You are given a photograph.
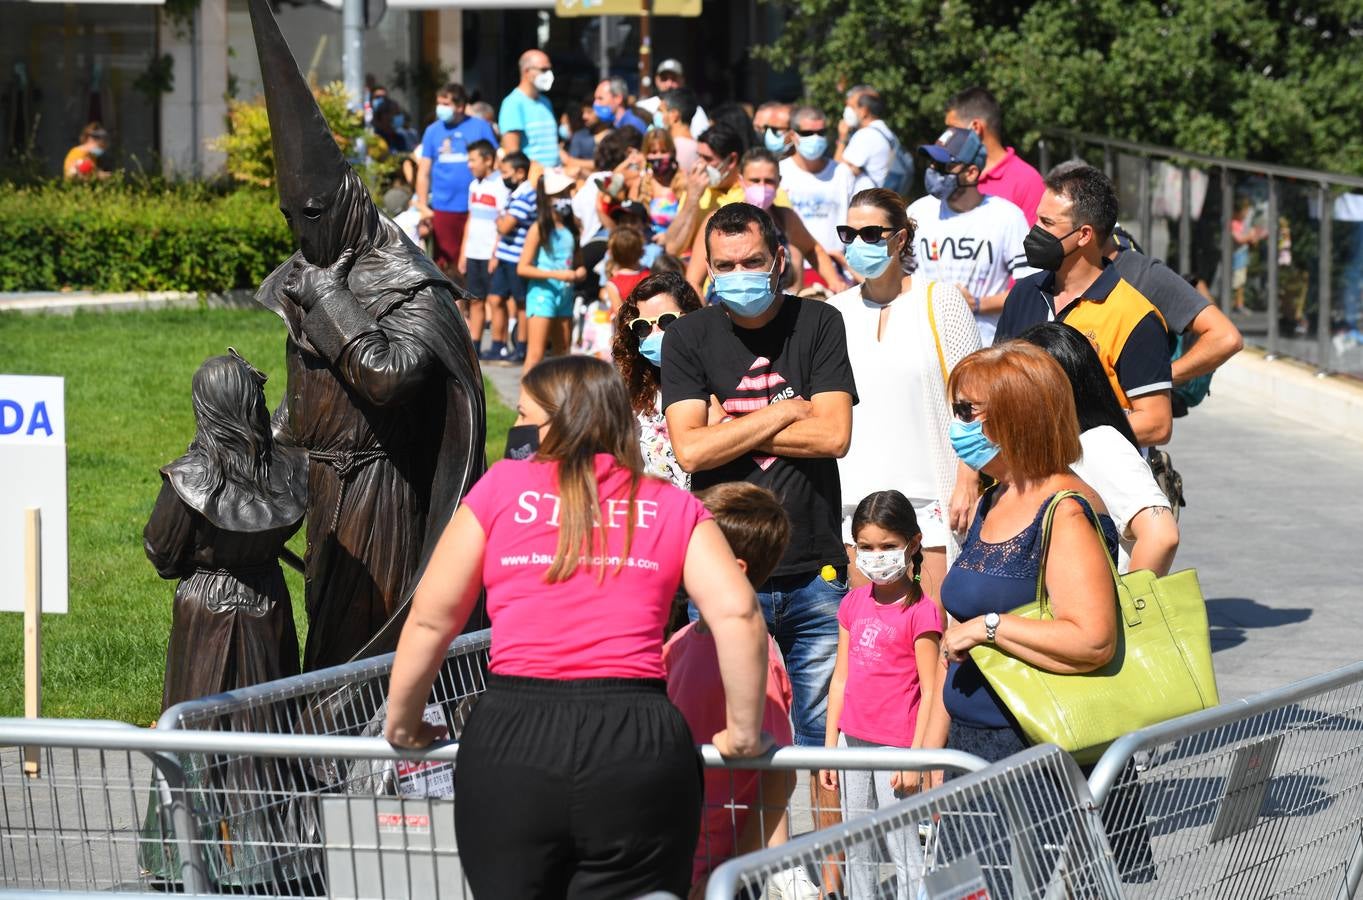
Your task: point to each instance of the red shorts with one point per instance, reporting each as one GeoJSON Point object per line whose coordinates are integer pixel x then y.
{"type": "Point", "coordinates": [448, 230]}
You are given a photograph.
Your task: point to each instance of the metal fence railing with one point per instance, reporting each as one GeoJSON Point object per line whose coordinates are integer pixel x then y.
{"type": "Point", "coordinates": [1022, 828]}
{"type": "Point", "coordinates": [116, 809]}
{"type": "Point", "coordinates": [1262, 797]}
{"type": "Point", "coordinates": [1297, 281]}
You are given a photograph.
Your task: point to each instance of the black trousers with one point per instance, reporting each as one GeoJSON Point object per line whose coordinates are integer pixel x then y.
{"type": "Point", "coordinates": [576, 789]}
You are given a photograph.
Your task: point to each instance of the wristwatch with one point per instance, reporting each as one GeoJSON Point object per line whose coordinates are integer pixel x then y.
{"type": "Point", "coordinates": [991, 626]}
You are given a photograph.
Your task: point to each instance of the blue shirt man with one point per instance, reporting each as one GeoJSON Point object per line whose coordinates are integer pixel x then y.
{"type": "Point", "coordinates": [445, 144]}
{"type": "Point", "coordinates": [609, 104]}
{"type": "Point", "coordinates": [526, 118]}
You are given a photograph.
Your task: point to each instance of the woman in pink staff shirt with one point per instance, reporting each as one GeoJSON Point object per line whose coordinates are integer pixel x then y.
{"type": "Point", "coordinates": [577, 777]}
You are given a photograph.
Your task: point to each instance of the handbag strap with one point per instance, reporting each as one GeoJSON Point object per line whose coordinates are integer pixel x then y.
{"type": "Point", "coordinates": [1043, 598]}
{"type": "Point", "coordinates": [936, 337]}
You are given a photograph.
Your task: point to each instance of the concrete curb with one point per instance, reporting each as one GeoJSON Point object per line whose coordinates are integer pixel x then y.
{"type": "Point", "coordinates": [66, 303]}
{"type": "Point", "coordinates": [1292, 390]}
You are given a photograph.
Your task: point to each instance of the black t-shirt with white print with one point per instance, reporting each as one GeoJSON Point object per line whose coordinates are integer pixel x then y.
{"type": "Point", "coordinates": [800, 353]}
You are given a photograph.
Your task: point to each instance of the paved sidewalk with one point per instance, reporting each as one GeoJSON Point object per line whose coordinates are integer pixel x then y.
{"type": "Point", "coordinates": [1271, 526]}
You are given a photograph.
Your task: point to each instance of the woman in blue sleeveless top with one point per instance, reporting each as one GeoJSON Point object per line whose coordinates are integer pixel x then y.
{"type": "Point", "coordinates": [1014, 420]}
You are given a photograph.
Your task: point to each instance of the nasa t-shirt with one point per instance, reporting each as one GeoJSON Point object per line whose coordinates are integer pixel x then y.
{"type": "Point", "coordinates": [980, 249]}
{"type": "Point", "coordinates": [800, 353]}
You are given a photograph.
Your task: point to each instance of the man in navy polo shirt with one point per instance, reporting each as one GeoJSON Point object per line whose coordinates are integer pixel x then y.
{"type": "Point", "coordinates": [1078, 286]}
{"type": "Point", "coordinates": [443, 176]}
{"type": "Point", "coordinates": [609, 105]}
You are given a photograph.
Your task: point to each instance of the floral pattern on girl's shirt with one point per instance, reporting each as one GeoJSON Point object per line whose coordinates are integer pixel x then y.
{"type": "Point", "coordinates": [659, 459]}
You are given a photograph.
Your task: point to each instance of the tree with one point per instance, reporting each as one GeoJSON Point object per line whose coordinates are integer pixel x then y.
{"type": "Point", "coordinates": [1253, 79]}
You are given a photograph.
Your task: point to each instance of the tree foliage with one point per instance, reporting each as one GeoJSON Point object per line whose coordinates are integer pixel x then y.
{"type": "Point", "coordinates": [1253, 79]}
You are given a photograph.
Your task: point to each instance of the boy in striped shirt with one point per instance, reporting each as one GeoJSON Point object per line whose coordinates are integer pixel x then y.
{"type": "Point", "coordinates": [506, 297]}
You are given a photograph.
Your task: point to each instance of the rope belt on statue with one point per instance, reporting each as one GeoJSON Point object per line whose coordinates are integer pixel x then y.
{"type": "Point", "coordinates": [239, 571]}
{"type": "Point", "coordinates": [346, 463]}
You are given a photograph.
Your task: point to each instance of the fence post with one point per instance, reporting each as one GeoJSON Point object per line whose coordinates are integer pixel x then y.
{"type": "Point", "coordinates": [1109, 163]}
{"type": "Point", "coordinates": [1044, 155]}
{"type": "Point", "coordinates": [1227, 210]}
{"type": "Point", "coordinates": [174, 797]}
{"type": "Point", "coordinates": [1274, 236]}
{"type": "Point", "coordinates": [1143, 210]}
{"type": "Point", "coordinates": [1324, 291]}
{"type": "Point", "coordinates": [1185, 222]}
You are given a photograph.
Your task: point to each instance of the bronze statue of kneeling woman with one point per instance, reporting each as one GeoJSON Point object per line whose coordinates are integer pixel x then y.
{"type": "Point", "coordinates": [225, 510]}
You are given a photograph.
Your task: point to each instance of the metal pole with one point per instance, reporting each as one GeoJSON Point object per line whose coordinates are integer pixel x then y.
{"type": "Point", "coordinates": [352, 51]}
{"type": "Point", "coordinates": [1043, 148]}
{"type": "Point", "coordinates": [1326, 251]}
{"type": "Point", "coordinates": [1143, 214]}
{"type": "Point", "coordinates": [1185, 222]}
{"type": "Point", "coordinates": [1227, 201]}
{"type": "Point", "coordinates": [1274, 236]}
{"type": "Point", "coordinates": [1109, 163]}
{"type": "Point", "coordinates": [603, 59]}
{"type": "Point", "coordinates": [646, 49]}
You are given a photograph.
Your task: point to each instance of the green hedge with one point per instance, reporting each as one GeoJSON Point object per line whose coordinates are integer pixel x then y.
{"type": "Point", "coordinates": [125, 236]}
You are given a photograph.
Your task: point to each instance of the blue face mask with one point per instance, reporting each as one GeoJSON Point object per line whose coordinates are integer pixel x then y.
{"type": "Point", "coordinates": [399, 121]}
{"type": "Point", "coordinates": [970, 444]}
{"type": "Point", "coordinates": [444, 113]}
{"type": "Point", "coordinates": [747, 294]}
{"type": "Point", "coordinates": [659, 121]}
{"type": "Point", "coordinates": [604, 112]}
{"type": "Point", "coordinates": [564, 132]}
{"type": "Point", "coordinates": [773, 140]}
{"type": "Point", "coordinates": [868, 260]}
{"type": "Point", "coordinates": [939, 185]}
{"type": "Point", "coordinates": [651, 348]}
{"type": "Point", "coordinates": [812, 146]}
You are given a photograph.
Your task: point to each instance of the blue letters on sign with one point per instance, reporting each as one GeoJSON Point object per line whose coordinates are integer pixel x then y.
{"type": "Point", "coordinates": [12, 418]}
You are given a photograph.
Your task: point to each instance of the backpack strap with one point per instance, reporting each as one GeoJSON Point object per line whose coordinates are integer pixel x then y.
{"type": "Point", "coordinates": [936, 336]}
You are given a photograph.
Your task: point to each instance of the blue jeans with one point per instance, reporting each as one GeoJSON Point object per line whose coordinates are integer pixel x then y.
{"type": "Point", "coordinates": [802, 616]}
{"type": "Point", "coordinates": [1351, 277]}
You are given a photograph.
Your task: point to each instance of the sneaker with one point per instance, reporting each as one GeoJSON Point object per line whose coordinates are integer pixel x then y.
{"type": "Point", "coordinates": [493, 353]}
{"type": "Point", "coordinates": [792, 884]}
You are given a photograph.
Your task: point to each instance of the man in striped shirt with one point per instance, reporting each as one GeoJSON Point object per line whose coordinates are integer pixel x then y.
{"type": "Point", "coordinates": [506, 297]}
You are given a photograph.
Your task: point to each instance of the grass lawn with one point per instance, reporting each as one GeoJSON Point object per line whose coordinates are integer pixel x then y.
{"type": "Point", "coordinates": [128, 413]}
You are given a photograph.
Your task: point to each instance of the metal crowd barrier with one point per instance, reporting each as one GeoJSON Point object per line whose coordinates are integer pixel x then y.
{"type": "Point", "coordinates": [1022, 828]}
{"type": "Point", "coordinates": [1289, 202]}
{"type": "Point", "coordinates": [1262, 797]}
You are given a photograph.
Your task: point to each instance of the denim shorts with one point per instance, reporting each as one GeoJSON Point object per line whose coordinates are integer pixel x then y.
{"type": "Point", "coordinates": [478, 280]}
{"type": "Point", "coordinates": [506, 283]}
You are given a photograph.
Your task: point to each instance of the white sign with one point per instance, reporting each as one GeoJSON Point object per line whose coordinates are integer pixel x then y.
{"type": "Point", "coordinates": [32, 473]}
{"type": "Point", "coordinates": [426, 779]}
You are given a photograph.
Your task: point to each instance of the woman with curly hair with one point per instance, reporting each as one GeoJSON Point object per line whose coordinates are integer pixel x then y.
{"type": "Point", "coordinates": [653, 305]}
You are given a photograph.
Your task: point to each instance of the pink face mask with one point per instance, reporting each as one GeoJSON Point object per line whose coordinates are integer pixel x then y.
{"type": "Point", "coordinates": [760, 195]}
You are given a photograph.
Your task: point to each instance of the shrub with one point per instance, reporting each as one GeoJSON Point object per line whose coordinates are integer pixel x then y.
{"type": "Point", "coordinates": [120, 235]}
{"type": "Point", "coordinates": [250, 158]}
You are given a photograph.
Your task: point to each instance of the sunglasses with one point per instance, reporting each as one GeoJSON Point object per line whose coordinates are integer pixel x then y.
{"type": "Point", "coordinates": [642, 327]}
{"type": "Point", "coordinates": [810, 132]}
{"type": "Point", "coordinates": [964, 410]}
{"type": "Point", "coordinates": [871, 234]}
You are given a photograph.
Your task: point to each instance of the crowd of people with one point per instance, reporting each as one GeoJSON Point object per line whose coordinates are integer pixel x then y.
{"type": "Point", "coordinates": [787, 447]}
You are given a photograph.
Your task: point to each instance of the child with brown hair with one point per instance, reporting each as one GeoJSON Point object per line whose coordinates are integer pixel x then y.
{"type": "Point", "coordinates": [744, 810]}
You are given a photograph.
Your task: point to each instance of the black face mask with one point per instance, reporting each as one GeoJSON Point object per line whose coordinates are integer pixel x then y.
{"type": "Point", "coordinates": [511, 183]}
{"type": "Point", "coordinates": [522, 441]}
{"type": "Point", "coordinates": [1044, 250]}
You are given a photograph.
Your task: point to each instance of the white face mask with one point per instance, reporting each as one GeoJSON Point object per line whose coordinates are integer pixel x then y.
{"type": "Point", "coordinates": [715, 176]}
{"type": "Point", "coordinates": [882, 567]}
{"type": "Point", "coordinates": [544, 81]}
{"type": "Point", "coordinates": [849, 115]}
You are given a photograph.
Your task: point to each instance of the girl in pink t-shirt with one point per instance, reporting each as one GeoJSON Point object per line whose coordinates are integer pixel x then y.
{"type": "Point", "coordinates": [577, 776]}
{"type": "Point", "coordinates": [889, 635]}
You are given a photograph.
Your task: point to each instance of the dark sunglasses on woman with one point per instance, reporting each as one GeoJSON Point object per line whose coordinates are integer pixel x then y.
{"type": "Point", "coordinates": [871, 234]}
{"type": "Point", "coordinates": [643, 327]}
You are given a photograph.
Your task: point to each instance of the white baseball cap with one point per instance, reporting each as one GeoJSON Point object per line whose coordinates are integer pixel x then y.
{"type": "Point", "coordinates": [556, 182]}
{"type": "Point", "coordinates": [671, 65]}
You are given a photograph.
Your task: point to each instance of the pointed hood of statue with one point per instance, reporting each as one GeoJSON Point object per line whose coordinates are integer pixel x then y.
{"type": "Point", "coordinates": [309, 167]}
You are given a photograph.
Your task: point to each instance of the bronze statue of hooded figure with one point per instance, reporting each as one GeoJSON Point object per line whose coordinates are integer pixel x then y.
{"type": "Point", "coordinates": [384, 390]}
{"type": "Point", "coordinates": [224, 512]}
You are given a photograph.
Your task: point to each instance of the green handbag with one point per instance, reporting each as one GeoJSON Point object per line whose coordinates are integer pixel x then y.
{"type": "Point", "coordinates": [1162, 667]}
